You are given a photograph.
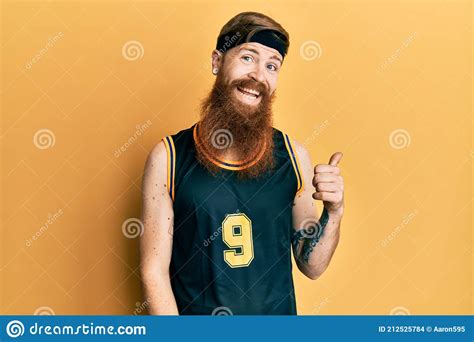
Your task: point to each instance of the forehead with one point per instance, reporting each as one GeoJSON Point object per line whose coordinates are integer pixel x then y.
{"type": "Point", "coordinates": [260, 49]}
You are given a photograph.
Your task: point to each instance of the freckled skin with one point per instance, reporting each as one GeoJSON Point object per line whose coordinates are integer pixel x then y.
{"type": "Point", "coordinates": [155, 244]}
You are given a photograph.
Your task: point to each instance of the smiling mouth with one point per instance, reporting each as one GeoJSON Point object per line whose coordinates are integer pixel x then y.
{"type": "Point", "coordinates": [249, 93]}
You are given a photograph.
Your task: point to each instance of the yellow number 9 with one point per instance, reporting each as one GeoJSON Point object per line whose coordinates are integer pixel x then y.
{"type": "Point", "coordinates": [237, 234]}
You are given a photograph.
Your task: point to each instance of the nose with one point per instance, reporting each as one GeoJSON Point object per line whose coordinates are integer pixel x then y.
{"type": "Point", "coordinates": [258, 74]}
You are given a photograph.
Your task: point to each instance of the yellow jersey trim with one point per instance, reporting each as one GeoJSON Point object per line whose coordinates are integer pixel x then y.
{"type": "Point", "coordinates": [295, 161]}
{"type": "Point", "coordinates": [171, 164]}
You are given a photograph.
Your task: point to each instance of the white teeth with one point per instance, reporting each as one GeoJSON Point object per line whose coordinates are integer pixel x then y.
{"type": "Point", "coordinates": [251, 91]}
{"type": "Point", "coordinates": [256, 93]}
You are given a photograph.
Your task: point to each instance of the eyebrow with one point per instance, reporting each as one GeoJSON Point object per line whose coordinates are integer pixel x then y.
{"type": "Point", "coordinates": [256, 52]}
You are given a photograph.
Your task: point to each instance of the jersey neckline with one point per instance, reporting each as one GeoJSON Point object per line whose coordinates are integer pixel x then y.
{"type": "Point", "coordinates": [227, 164]}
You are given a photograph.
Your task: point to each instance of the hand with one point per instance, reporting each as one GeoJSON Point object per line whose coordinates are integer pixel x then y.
{"type": "Point", "coordinates": [329, 185]}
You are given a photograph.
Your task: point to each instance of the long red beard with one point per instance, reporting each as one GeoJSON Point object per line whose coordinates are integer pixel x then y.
{"type": "Point", "coordinates": [227, 123]}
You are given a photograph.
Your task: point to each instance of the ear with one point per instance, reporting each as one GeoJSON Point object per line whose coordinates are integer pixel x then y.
{"type": "Point", "coordinates": [216, 60]}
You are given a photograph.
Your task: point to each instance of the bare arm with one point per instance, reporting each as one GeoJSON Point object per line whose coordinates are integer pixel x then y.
{"type": "Point", "coordinates": [313, 253]}
{"type": "Point", "coordinates": [157, 240]}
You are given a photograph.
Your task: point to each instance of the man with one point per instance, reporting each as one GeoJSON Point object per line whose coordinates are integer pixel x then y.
{"type": "Point", "coordinates": [224, 200]}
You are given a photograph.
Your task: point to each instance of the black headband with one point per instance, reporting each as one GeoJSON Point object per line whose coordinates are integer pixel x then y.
{"type": "Point", "coordinates": [260, 34]}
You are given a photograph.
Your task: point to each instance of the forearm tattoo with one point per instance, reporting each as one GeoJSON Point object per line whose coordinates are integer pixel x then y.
{"type": "Point", "coordinates": [310, 233]}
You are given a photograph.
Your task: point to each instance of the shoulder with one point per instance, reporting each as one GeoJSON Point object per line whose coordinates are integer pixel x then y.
{"type": "Point", "coordinates": [157, 156]}
{"type": "Point", "coordinates": [299, 150]}
{"type": "Point", "coordinates": [303, 159]}
{"type": "Point", "coordinates": [302, 152]}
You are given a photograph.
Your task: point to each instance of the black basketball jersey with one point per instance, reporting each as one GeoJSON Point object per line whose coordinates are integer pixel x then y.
{"type": "Point", "coordinates": [232, 237]}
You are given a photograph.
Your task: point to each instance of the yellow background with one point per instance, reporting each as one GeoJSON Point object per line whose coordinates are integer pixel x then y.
{"type": "Point", "coordinates": [406, 243]}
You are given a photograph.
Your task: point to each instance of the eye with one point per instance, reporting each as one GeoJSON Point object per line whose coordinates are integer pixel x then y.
{"type": "Point", "coordinates": [247, 58]}
{"type": "Point", "coordinates": [272, 67]}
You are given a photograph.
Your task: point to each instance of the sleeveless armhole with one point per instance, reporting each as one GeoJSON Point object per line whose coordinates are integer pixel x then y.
{"type": "Point", "coordinates": [294, 160]}
{"type": "Point", "coordinates": [171, 164]}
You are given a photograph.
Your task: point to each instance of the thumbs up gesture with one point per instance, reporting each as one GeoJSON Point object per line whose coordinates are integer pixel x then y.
{"type": "Point", "coordinates": [329, 185]}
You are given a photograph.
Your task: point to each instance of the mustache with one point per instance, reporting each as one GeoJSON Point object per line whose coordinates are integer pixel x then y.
{"type": "Point", "coordinates": [250, 83]}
